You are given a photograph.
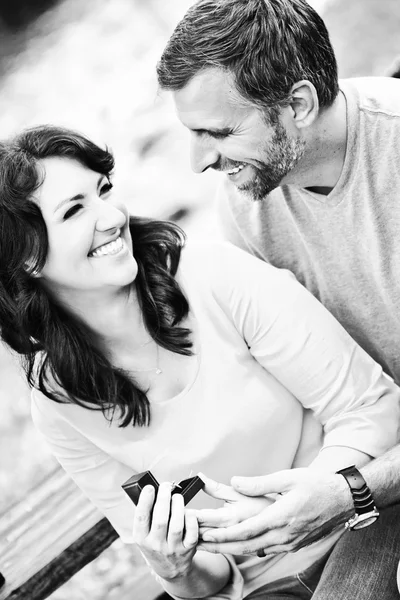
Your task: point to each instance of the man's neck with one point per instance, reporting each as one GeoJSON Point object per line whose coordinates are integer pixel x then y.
{"type": "Point", "coordinates": [320, 169]}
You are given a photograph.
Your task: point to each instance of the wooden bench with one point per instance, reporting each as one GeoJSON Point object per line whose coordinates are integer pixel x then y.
{"type": "Point", "coordinates": [49, 536]}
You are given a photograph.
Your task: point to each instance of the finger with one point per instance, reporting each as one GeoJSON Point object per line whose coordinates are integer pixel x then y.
{"type": "Point", "coordinates": [234, 548]}
{"type": "Point", "coordinates": [191, 536]}
{"type": "Point", "coordinates": [213, 517]}
{"type": "Point", "coordinates": [202, 530]}
{"type": "Point", "coordinates": [161, 512]}
{"type": "Point", "coordinates": [143, 513]}
{"type": "Point", "coordinates": [271, 518]}
{"type": "Point", "coordinates": [176, 521]}
{"type": "Point", "coordinates": [277, 483]}
{"type": "Point", "coordinates": [247, 547]}
{"type": "Point", "coordinates": [218, 490]}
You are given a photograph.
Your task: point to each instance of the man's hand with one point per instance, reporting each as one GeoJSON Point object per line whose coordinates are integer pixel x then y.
{"type": "Point", "coordinates": [237, 507]}
{"type": "Point", "coordinates": [312, 503]}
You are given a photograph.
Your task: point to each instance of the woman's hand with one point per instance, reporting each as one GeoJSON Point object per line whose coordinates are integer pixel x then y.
{"type": "Point", "coordinates": [166, 532]}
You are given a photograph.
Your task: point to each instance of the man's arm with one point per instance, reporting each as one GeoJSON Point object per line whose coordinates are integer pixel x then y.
{"type": "Point", "coordinates": [383, 477]}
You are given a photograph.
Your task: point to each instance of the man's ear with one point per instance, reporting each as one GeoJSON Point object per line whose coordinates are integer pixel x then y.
{"type": "Point", "coordinates": [304, 104]}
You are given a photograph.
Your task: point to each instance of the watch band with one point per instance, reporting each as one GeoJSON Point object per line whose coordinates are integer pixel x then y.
{"type": "Point", "coordinates": [362, 497]}
{"type": "Point", "coordinates": [365, 509]}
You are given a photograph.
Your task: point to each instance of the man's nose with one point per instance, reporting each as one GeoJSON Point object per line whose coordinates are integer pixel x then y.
{"type": "Point", "coordinates": [203, 153]}
{"type": "Point", "coordinates": [109, 217]}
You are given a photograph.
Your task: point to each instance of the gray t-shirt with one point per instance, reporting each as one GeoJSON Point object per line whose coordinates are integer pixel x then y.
{"type": "Point", "coordinates": [344, 247]}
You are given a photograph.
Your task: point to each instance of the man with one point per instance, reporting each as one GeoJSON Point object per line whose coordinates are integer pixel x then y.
{"type": "Point", "coordinates": [312, 184]}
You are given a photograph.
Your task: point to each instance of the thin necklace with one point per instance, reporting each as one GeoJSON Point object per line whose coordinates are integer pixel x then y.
{"type": "Point", "coordinates": [157, 369]}
{"type": "Point", "coordinates": [143, 345]}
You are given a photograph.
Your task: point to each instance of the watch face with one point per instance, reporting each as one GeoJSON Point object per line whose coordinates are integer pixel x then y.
{"type": "Point", "coordinates": [365, 522]}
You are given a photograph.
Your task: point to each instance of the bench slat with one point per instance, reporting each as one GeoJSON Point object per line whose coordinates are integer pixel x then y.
{"type": "Point", "coordinates": [51, 535]}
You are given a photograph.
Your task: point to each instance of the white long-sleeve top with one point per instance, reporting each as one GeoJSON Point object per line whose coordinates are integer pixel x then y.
{"type": "Point", "coordinates": [277, 379]}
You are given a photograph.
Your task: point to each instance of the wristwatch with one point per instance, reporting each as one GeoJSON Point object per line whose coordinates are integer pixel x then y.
{"type": "Point", "coordinates": [366, 511]}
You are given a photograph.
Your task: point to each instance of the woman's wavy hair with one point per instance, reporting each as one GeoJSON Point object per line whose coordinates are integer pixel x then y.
{"type": "Point", "coordinates": [267, 45]}
{"type": "Point", "coordinates": [62, 356]}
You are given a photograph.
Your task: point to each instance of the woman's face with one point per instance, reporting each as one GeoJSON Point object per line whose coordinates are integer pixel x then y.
{"type": "Point", "coordinates": [90, 247]}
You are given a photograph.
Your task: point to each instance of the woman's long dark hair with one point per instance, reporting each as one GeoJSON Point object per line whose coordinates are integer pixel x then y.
{"type": "Point", "coordinates": [62, 356]}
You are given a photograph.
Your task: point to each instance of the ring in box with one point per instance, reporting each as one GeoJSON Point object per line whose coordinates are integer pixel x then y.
{"type": "Point", "coordinates": [187, 487]}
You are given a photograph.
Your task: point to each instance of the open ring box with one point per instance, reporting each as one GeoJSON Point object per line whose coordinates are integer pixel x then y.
{"type": "Point", "coordinates": [187, 487]}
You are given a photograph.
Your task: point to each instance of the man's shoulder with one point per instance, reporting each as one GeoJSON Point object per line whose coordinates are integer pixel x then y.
{"type": "Point", "coordinates": [379, 95]}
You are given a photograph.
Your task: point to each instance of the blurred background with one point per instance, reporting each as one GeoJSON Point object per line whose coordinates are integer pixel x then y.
{"type": "Point", "coordinates": [91, 66]}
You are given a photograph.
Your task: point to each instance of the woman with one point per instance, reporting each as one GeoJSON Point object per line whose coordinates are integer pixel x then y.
{"type": "Point", "coordinates": [144, 355]}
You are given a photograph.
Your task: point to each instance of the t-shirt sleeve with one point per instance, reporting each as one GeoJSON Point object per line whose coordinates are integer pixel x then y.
{"type": "Point", "coordinates": [98, 475]}
{"type": "Point", "coordinates": [292, 335]}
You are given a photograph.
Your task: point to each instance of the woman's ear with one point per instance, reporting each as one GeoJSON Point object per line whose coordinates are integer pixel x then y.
{"type": "Point", "coordinates": [304, 104]}
{"type": "Point", "coordinates": [30, 270]}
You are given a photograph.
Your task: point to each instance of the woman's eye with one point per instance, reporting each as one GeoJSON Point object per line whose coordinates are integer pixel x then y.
{"type": "Point", "coordinates": [72, 211]}
{"type": "Point", "coordinates": [105, 188]}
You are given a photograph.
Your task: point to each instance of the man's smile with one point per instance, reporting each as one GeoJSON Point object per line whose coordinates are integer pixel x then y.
{"type": "Point", "coordinates": [235, 170]}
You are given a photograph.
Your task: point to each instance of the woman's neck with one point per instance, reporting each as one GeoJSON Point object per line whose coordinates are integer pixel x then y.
{"type": "Point", "coordinates": [116, 318]}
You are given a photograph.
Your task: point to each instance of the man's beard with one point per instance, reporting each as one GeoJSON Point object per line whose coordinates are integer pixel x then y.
{"type": "Point", "coordinates": [281, 156]}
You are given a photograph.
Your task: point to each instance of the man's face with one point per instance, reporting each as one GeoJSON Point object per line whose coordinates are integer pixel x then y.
{"type": "Point", "coordinates": [230, 135]}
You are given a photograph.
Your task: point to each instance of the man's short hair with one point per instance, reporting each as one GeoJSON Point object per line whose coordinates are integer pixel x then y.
{"type": "Point", "coordinates": [267, 45]}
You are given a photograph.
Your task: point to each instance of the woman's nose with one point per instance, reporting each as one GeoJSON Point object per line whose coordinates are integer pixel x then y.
{"type": "Point", "coordinates": [110, 216]}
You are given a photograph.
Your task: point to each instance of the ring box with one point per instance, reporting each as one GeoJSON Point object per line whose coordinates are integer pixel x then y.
{"type": "Point", "coordinates": [187, 487]}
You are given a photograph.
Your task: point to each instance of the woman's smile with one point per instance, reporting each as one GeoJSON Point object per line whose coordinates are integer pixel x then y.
{"type": "Point", "coordinates": [109, 248]}
{"type": "Point", "coordinates": [84, 221]}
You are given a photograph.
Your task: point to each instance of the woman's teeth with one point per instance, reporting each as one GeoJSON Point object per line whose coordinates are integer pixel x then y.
{"type": "Point", "coordinates": [110, 248]}
{"type": "Point", "coordinates": [235, 170]}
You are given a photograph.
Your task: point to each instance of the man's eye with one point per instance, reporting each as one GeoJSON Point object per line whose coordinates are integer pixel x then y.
{"type": "Point", "coordinates": [106, 188]}
{"type": "Point", "coordinates": [218, 135]}
{"type": "Point", "coordinates": [72, 211]}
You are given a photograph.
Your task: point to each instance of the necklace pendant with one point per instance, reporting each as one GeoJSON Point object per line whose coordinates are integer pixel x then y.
{"type": "Point", "coordinates": [158, 371]}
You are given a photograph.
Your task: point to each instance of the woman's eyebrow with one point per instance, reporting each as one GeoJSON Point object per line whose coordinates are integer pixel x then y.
{"type": "Point", "coordinates": [77, 196]}
{"type": "Point", "coordinates": [66, 200]}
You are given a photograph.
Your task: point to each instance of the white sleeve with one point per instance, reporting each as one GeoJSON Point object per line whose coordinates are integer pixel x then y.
{"type": "Point", "coordinates": [292, 335]}
{"type": "Point", "coordinates": [97, 474]}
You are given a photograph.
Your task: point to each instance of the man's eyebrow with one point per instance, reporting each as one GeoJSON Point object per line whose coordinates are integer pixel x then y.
{"type": "Point", "coordinates": [77, 196]}
{"type": "Point", "coordinates": [211, 130]}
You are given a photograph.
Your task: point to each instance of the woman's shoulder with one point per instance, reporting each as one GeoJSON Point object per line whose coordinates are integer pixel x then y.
{"type": "Point", "coordinates": [44, 411]}
{"type": "Point", "coordinates": [43, 408]}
